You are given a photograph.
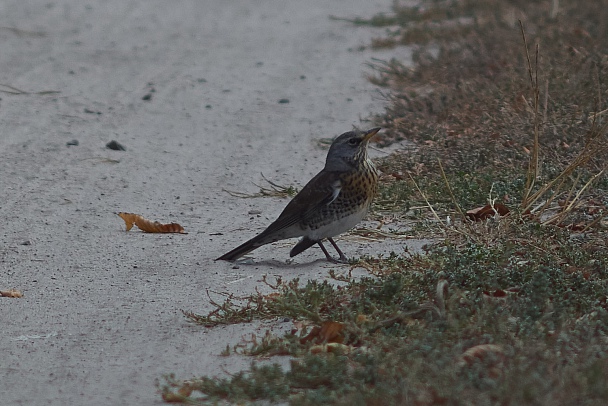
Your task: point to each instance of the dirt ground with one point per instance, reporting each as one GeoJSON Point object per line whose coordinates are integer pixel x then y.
{"type": "Point", "coordinates": [192, 90]}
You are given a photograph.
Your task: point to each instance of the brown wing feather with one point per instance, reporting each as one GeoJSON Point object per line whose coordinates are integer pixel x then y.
{"type": "Point", "coordinates": [310, 197]}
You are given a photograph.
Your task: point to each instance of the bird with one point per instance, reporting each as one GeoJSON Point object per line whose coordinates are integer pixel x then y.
{"type": "Point", "coordinates": [332, 202]}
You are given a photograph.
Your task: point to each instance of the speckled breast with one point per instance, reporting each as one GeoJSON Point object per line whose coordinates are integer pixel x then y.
{"type": "Point", "coordinates": [358, 190]}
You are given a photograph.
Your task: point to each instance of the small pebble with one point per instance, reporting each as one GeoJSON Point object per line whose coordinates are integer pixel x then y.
{"type": "Point", "coordinates": [115, 146]}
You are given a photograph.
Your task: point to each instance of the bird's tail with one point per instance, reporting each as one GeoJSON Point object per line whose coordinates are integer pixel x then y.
{"type": "Point", "coordinates": [245, 248]}
{"type": "Point", "coordinates": [302, 245]}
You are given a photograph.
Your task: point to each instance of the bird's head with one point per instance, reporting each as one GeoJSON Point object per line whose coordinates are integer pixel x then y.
{"type": "Point", "coordinates": [349, 149]}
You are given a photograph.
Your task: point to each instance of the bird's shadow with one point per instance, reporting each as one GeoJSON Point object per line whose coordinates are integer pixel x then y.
{"type": "Point", "coordinates": [285, 265]}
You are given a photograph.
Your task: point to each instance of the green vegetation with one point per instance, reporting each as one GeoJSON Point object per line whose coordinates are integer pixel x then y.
{"type": "Point", "coordinates": [520, 317]}
{"type": "Point", "coordinates": [509, 310]}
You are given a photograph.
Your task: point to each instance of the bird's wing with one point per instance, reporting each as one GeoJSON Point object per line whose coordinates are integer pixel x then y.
{"type": "Point", "coordinates": [320, 191]}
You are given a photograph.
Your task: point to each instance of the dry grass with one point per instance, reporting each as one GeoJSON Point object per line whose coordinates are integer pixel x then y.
{"type": "Point", "coordinates": [511, 310]}
{"type": "Point", "coordinates": [521, 114]}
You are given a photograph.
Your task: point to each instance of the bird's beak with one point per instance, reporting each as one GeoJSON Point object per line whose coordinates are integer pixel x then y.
{"type": "Point", "coordinates": [368, 135]}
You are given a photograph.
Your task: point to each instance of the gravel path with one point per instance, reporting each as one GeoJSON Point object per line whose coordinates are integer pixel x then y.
{"type": "Point", "coordinates": [204, 96]}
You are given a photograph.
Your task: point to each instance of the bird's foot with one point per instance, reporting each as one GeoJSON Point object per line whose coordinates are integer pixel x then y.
{"type": "Point", "coordinates": [341, 260]}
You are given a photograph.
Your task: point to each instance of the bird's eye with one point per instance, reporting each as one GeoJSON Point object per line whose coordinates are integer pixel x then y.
{"type": "Point", "coordinates": [354, 141]}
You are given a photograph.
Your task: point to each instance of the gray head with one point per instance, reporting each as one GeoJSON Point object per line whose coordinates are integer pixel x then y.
{"type": "Point", "coordinates": [349, 150]}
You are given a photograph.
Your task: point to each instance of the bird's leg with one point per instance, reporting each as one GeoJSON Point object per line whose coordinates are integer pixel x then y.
{"type": "Point", "coordinates": [331, 259]}
{"type": "Point", "coordinates": [342, 258]}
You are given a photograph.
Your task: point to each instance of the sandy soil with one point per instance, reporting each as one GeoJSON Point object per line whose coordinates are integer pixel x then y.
{"type": "Point", "coordinates": [100, 318]}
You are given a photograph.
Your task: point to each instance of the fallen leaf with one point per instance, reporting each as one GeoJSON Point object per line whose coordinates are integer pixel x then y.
{"type": "Point", "coordinates": [487, 211]}
{"type": "Point", "coordinates": [329, 332]}
{"type": "Point", "coordinates": [14, 293]}
{"type": "Point", "coordinates": [483, 351]}
{"type": "Point", "coordinates": [491, 355]}
{"type": "Point", "coordinates": [362, 318]}
{"type": "Point", "coordinates": [171, 397]}
{"type": "Point", "coordinates": [497, 293]}
{"type": "Point", "coordinates": [578, 227]}
{"type": "Point", "coordinates": [149, 226]}
{"type": "Point", "coordinates": [185, 390]}
{"type": "Point", "coordinates": [580, 270]}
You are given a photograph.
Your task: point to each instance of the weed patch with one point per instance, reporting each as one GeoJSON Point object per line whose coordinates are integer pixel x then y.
{"type": "Point", "coordinates": [516, 318]}
{"type": "Point", "coordinates": [507, 104]}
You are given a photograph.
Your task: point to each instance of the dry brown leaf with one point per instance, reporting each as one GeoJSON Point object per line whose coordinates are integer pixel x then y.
{"type": "Point", "coordinates": [487, 211]}
{"type": "Point", "coordinates": [491, 355]}
{"type": "Point", "coordinates": [362, 318]}
{"type": "Point", "coordinates": [171, 397]}
{"type": "Point", "coordinates": [329, 332]}
{"type": "Point", "coordinates": [499, 295]}
{"type": "Point", "coordinates": [314, 333]}
{"type": "Point", "coordinates": [482, 351]}
{"type": "Point", "coordinates": [185, 390]}
{"type": "Point", "coordinates": [182, 394]}
{"type": "Point", "coordinates": [272, 296]}
{"type": "Point", "coordinates": [149, 226]}
{"type": "Point", "coordinates": [580, 270]}
{"type": "Point", "coordinates": [11, 293]}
